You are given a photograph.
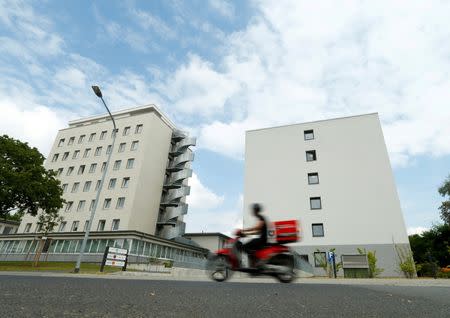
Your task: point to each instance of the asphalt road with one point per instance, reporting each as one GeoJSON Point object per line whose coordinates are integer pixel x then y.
{"type": "Point", "coordinates": [35, 296]}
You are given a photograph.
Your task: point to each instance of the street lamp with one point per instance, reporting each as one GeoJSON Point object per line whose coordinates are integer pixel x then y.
{"type": "Point", "coordinates": [97, 92]}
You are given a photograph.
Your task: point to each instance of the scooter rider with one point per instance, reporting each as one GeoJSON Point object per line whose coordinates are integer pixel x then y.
{"type": "Point", "coordinates": [260, 228]}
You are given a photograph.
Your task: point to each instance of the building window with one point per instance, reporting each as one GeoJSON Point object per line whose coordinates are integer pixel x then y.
{"type": "Point", "coordinates": [98, 151]}
{"type": "Point", "coordinates": [138, 129]}
{"type": "Point", "coordinates": [71, 140]}
{"type": "Point", "coordinates": [311, 155]}
{"type": "Point", "coordinates": [81, 205]}
{"type": "Point", "coordinates": [112, 183]}
{"type": "Point", "coordinates": [91, 206]}
{"type": "Point", "coordinates": [69, 206]}
{"type": "Point", "coordinates": [61, 142]}
{"type": "Point", "coordinates": [115, 225]}
{"type": "Point", "coordinates": [97, 185]}
{"type": "Point", "coordinates": [64, 187]}
{"type": "Point", "coordinates": [38, 227]}
{"type": "Point", "coordinates": [92, 168]}
{"type": "Point", "coordinates": [315, 203]}
{"type": "Point", "coordinates": [81, 139]}
{"type": "Point", "coordinates": [87, 152]}
{"type": "Point", "coordinates": [81, 169]}
{"type": "Point", "coordinates": [317, 230]}
{"type": "Point", "coordinates": [126, 131]}
{"type": "Point", "coordinates": [117, 164]}
{"type": "Point", "coordinates": [134, 145]}
{"type": "Point", "coordinates": [65, 156]}
{"type": "Point", "coordinates": [103, 166]}
{"type": "Point", "coordinates": [62, 226]}
{"type": "Point", "coordinates": [75, 154]}
{"type": "Point", "coordinates": [87, 186]}
{"type": "Point", "coordinates": [60, 171]}
{"type": "Point", "coordinates": [103, 135]}
{"type": "Point", "coordinates": [27, 228]}
{"type": "Point", "coordinates": [101, 225]}
{"type": "Point", "coordinates": [120, 203]}
{"type": "Point", "coordinates": [130, 163]}
{"type": "Point", "coordinates": [86, 225]}
{"type": "Point", "coordinates": [69, 171]}
{"type": "Point", "coordinates": [75, 226]}
{"type": "Point", "coordinates": [319, 259]}
{"type": "Point", "coordinates": [92, 137]}
{"type": "Point", "coordinates": [114, 132]}
{"type": "Point", "coordinates": [125, 182]}
{"type": "Point", "coordinates": [55, 157]}
{"type": "Point", "coordinates": [122, 147]}
{"type": "Point", "coordinates": [75, 187]}
{"type": "Point", "coordinates": [309, 134]}
{"type": "Point", "coordinates": [107, 204]}
{"type": "Point", "coordinates": [108, 149]}
{"type": "Point", "coordinates": [313, 178]}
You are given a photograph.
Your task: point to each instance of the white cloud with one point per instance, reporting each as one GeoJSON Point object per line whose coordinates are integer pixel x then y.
{"type": "Point", "coordinates": [223, 7]}
{"type": "Point", "coordinates": [416, 230]}
{"type": "Point", "coordinates": [201, 198]}
{"type": "Point", "coordinates": [38, 126]}
{"type": "Point", "coordinates": [301, 61]}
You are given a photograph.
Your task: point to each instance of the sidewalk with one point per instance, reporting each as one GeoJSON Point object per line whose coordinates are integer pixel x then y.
{"type": "Point", "coordinates": [243, 278]}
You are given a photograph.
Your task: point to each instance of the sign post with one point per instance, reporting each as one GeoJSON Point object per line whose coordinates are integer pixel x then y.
{"type": "Point", "coordinates": [114, 256]}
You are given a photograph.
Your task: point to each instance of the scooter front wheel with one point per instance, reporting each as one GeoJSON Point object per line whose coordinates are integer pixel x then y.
{"type": "Point", "coordinates": [219, 268]}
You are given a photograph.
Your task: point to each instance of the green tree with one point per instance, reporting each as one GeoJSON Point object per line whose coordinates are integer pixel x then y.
{"type": "Point", "coordinates": [25, 185]}
{"type": "Point", "coordinates": [444, 191]}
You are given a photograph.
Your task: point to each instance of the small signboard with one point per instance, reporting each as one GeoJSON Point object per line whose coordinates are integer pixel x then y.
{"type": "Point", "coordinates": [114, 256]}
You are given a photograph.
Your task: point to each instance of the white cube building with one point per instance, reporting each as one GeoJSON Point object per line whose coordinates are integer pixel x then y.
{"type": "Point", "coordinates": [334, 176]}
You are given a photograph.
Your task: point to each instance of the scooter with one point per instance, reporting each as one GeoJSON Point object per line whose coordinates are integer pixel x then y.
{"type": "Point", "coordinates": [275, 260]}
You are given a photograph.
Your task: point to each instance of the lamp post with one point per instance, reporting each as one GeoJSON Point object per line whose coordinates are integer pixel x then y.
{"type": "Point", "coordinates": [97, 92]}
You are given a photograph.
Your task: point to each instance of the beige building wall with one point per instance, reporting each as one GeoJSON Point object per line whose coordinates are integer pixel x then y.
{"type": "Point", "coordinates": [142, 195]}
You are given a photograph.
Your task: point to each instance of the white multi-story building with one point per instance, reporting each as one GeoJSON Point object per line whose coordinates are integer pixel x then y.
{"type": "Point", "coordinates": [145, 185]}
{"type": "Point", "coordinates": [142, 201]}
{"type": "Point", "coordinates": [334, 176]}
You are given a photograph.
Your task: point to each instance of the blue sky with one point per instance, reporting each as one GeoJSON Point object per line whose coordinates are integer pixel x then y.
{"type": "Point", "coordinates": [218, 68]}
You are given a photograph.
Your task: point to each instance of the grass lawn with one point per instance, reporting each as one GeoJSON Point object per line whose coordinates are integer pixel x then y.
{"type": "Point", "coordinates": [63, 267]}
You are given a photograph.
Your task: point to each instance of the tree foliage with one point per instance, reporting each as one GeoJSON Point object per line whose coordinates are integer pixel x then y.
{"type": "Point", "coordinates": [25, 185]}
{"type": "Point", "coordinates": [432, 245]}
{"type": "Point", "coordinates": [444, 191]}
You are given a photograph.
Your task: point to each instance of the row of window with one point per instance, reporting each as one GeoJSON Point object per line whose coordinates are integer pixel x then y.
{"type": "Point", "coordinates": [92, 136]}
{"type": "Point", "coordinates": [76, 226]}
{"type": "Point", "coordinates": [315, 203]}
{"type": "Point", "coordinates": [135, 247]}
{"type": "Point", "coordinates": [98, 151]}
{"type": "Point", "coordinates": [93, 167]}
{"type": "Point", "coordinates": [120, 203]}
{"type": "Point", "coordinates": [88, 184]}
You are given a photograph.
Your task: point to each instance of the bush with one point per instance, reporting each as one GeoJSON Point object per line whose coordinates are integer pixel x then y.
{"type": "Point", "coordinates": [428, 269]}
{"type": "Point", "coordinates": [168, 264]}
{"type": "Point", "coordinates": [374, 271]}
{"type": "Point", "coordinates": [406, 261]}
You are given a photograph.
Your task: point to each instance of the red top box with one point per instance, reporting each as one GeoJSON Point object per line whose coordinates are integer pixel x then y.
{"type": "Point", "coordinates": [286, 231]}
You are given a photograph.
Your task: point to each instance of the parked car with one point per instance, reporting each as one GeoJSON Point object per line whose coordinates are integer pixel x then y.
{"type": "Point", "coordinates": [446, 269]}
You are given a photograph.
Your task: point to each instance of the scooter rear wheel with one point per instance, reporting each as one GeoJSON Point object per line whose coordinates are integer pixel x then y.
{"type": "Point", "coordinates": [219, 268]}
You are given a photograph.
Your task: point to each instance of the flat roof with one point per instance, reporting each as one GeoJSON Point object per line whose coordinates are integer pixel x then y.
{"type": "Point", "coordinates": [313, 122]}
{"type": "Point", "coordinates": [130, 111]}
{"type": "Point", "coordinates": [206, 234]}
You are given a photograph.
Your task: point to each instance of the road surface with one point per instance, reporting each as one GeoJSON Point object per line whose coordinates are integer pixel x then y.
{"type": "Point", "coordinates": [40, 296]}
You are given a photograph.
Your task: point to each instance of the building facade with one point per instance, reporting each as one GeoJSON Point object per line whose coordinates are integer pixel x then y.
{"type": "Point", "coordinates": [146, 181]}
{"type": "Point", "coordinates": [212, 241]}
{"type": "Point", "coordinates": [334, 176]}
{"type": "Point", "coordinates": [142, 200]}
{"type": "Point", "coordinates": [8, 226]}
